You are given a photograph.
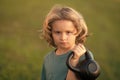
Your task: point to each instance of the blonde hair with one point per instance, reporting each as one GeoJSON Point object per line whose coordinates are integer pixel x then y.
{"type": "Point", "coordinates": [64, 13]}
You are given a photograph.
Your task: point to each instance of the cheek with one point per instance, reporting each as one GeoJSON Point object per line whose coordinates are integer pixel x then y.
{"type": "Point", "coordinates": [72, 39]}
{"type": "Point", "coordinates": [55, 38]}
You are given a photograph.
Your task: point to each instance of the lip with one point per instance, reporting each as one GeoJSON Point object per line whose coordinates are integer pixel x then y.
{"type": "Point", "coordinates": [63, 42]}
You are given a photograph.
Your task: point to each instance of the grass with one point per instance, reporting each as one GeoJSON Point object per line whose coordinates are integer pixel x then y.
{"type": "Point", "coordinates": [22, 51]}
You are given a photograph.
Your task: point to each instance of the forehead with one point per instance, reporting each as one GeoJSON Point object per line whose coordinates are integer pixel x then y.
{"type": "Point", "coordinates": [63, 25]}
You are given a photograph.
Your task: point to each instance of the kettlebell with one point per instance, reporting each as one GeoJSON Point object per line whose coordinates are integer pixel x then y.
{"type": "Point", "coordinates": [88, 69]}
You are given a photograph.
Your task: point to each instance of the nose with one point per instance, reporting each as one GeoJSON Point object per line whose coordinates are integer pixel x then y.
{"type": "Point", "coordinates": [63, 36]}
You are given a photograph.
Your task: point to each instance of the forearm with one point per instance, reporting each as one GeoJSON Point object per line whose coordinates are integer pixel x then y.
{"type": "Point", "coordinates": [74, 61]}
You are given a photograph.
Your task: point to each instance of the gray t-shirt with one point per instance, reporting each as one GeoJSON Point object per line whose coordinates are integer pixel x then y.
{"type": "Point", "coordinates": [54, 66]}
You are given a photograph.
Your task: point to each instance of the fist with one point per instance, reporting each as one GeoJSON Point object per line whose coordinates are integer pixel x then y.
{"type": "Point", "coordinates": [78, 50]}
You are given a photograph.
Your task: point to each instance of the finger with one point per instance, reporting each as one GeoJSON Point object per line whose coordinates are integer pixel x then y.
{"type": "Point", "coordinates": [81, 46]}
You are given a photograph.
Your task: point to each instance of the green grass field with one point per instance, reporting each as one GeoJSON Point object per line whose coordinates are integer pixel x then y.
{"type": "Point", "coordinates": [22, 50]}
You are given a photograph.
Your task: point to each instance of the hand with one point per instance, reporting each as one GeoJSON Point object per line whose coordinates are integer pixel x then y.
{"type": "Point", "coordinates": [78, 50]}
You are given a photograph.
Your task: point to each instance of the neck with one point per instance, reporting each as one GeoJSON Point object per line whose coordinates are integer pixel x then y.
{"type": "Point", "coordinates": [60, 51]}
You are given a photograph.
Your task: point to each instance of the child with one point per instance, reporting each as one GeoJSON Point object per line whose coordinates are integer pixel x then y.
{"type": "Point", "coordinates": [64, 29]}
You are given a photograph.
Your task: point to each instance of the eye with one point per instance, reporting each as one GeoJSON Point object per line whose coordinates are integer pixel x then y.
{"type": "Point", "coordinates": [69, 32]}
{"type": "Point", "coordinates": [57, 32]}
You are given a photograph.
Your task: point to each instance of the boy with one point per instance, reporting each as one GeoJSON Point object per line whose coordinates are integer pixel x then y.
{"type": "Point", "coordinates": [64, 29]}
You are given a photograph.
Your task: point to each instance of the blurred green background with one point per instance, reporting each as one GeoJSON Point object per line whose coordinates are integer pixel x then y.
{"type": "Point", "coordinates": [22, 50]}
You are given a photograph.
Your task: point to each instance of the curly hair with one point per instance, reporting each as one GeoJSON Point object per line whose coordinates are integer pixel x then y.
{"type": "Point", "coordinates": [59, 12]}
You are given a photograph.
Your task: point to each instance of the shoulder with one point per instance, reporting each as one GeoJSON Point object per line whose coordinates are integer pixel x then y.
{"type": "Point", "coordinates": [91, 54]}
{"type": "Point", "coordinates": [49, 55]}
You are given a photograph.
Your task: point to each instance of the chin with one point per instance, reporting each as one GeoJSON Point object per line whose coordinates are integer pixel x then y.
{"type": "Point", "coordinates": [66, 47]}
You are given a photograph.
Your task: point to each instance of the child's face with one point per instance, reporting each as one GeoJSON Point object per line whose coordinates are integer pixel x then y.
{"type": "Point", "coordinates": [64, 34]}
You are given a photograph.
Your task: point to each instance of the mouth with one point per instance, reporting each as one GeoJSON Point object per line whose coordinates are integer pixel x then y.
{"type": "Point", "coordinates": [63, 42]}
